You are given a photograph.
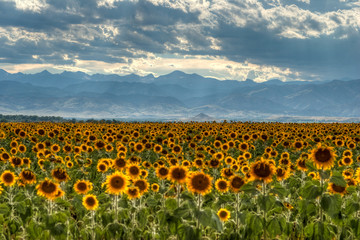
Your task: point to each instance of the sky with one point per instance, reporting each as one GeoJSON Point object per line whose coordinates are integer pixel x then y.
{"type": "Point", "coordinates": [237, 39]}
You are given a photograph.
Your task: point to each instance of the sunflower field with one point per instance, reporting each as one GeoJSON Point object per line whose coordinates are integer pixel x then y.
{"type": "Point", "coordinates": [228, 180]}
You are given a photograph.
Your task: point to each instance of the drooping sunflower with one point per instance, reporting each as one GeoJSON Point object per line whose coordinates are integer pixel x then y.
{"type": "Point", "coordinates": [223, 214]}
{"type": "Point", "coordinates": [222, 185]}
{"type": "Point", "coordinates": [8, 178]}
{"type": "Point", "coordinates": [262, 170]}
{"type": "Point", "coordinates": [301, 164]}
{"type": "Point", "coordinates": [281, 173]}
{"type": "Point", "coordinates": [116, 183]}
{"type": "Point", "coordinates": [60, 175]}
{"type": "Point", "coordinates": [199, 182]}
{"type": "Point", "coordinates": [323, 157]}
{"type": "Point", "coordinates": [27, 177]}
{"type": "Point", "coordinates": [178, 174]}
{"type": "Point", "coordinates": [90, 202]}
{"type": "Point", "coordinates": [83, 186]}
{"type": "Point", "coordinates": [133, 192]}
{"type": "Point", "coordinates": [16, 161]}
{"type": "Point", "coordinates": [47, 189]}
{"type": "Point", "coordinates": [236, 182]}
{"type": "Point", "coordinates": [333, 188]}
{"type": "Point", "coordinates": [142, 185]}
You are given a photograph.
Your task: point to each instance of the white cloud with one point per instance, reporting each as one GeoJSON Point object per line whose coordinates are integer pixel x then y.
{"type": "Point", "coordinates": [30, 5]}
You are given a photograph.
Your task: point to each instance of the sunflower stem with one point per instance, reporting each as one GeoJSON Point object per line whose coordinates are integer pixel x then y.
{"type": "Point", "coordinates": [93, 225]}
{"type": "Point", "coordinates": [199, 207]}
{"type": "Point", "coordinates": [264, 212]}
{"type": "Point", "coordinates": [320, 208]}
{"type": "Point", "coordinates": [237, 211]}
{"type": "Point", "coordinates": [178, 187]}
{"type": "Point", "coordinates": [116, 207]}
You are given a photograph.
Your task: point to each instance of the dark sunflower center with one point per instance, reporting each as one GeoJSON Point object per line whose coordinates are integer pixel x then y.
{"type": "Point", "coordinates": [262, 170]}
{"type": "Point", "coordinates": [163, 171]}
{"type": "Point", "coordinates": [81, 186]}
{"type": "Point", "coordinates": [48, 187]}
{"type": "Point", "coordinates": [338, 189]}
{"type": "Point", "coordinates": [298, 145]}
{"type": "Point", "coordinates": [280, 172]}
{"type": "Point", "coordinates": [134, 170]}
{"type": "Point", "coordinates": [59, 174]}
{"type": "Point", "coordinates": [120, 162]}
{"type": "Point", "coordinates": [27, 175]}
{"type": "Point", "coordinates": [237, 182]}
{"type": "Point", "coordinates": [347, 160]}
{"type": "Point", "coordinates": [223, 214]}
{"type": "Point", "coordinates": [90, 201]}
{"type": "Point", "coordinates": [117, 182]}
{"type": "Point", "coordinates": [200, 182]}
{"type": "Point", "coordinates": [323, 155]}
{"type": "Point", "coordinates": [141, 185]}
{"type": "Point", "coordinates": [214, 162]}
{"type": "Point", "coordinates": [222, 185]}
{"type": "Point", "coordinates": [8, 178]}
{"type": "Point", "coordinates": [302, 164]}
{"type": "Point", "coordinates": [102, 167]}
{"type": "Point", "coordinates": [16, 161]}
{"type": "Point", "coordinates": [133, 192]}
{"type": "Point", "coordinates": [178, 173]}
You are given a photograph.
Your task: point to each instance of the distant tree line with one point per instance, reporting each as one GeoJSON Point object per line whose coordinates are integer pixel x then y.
{"type": "Point", "coordinates": [30, 118]}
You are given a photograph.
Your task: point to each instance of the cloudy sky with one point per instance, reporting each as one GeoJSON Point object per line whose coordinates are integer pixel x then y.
{"type": "Point", "coordinates": [239, 39]}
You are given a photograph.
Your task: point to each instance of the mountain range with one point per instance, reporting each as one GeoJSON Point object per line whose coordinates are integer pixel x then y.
{"type": "Point", "coordinates": [174, 96]}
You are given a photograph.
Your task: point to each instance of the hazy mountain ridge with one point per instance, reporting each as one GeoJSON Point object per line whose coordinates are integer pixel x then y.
{"type": "Point", "coordinates": [176, 95]}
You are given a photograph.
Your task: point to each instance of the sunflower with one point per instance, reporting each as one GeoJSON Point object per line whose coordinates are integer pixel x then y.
{"type": "Point", "coordinates": [178, 174]}
{"type": "Point", "coordinates": [288, 205]}
{"type": "Point", "coordinates": [348, 173]}
{"type": "Point", "coordinates": [226, 172]}
{"type": "Point", "coordinates": [142, 185]}
{"type": "Point", "coordinates": [323, 157]}
{"type": "Point", "coordinates": [8, 178]}
{"type": "Point", "coordinates": [236, 182]}
{"type": "Point", "coordinates": [133, 171]}
{"type": "Point", "coordinates": [119, 163]}
{"type": "Point", "coordinates": [214, 163]}
{"type": "Point", "coordinates": [314, 175]}
{"type": "Point", "coordinates": [222, 185]}
{"type": "Point", "coordinates": [262, 170]}
{"type": "Point", "coordinates": [83, 186]}
{"type": "Point", "coordinates": [60, 175]}
{"type": "Point", "coordinates": [47, 189]}
{"type": "Point", "coordinates": [16, 161]}
{"type": "Point", "coordinates": [102, 167]}
{"type": "Point", "coordinates": [333, 188]}
{"type": "Point", "coordinates": [301, 164]}
{"type": "Point", "coordinates": [116, 183]}
{"type": "Point", "coordinates": [199, 182]}
{"type": "Point", "coordinates": [90, 202]}
{"type": "Point", "coordinates": [27, 177]}
{"type": "Point", "coordinates": [133, 192]}
{"type": "Point", "coordinates": [162, 172]}
{"type": "Point", "coordinates": [223, 214]}
{"type": "Point", "coordinates": [346, 160]}
{"type": "Point", "coordinates": [155, 187]}
{"type": "Point", "coordinates": [281, 173]}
